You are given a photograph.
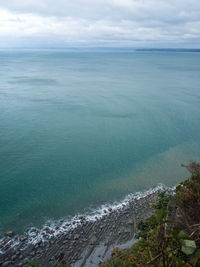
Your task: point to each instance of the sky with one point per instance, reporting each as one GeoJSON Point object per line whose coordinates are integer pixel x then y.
{"type": "Point", "coordinates": [99, 23]}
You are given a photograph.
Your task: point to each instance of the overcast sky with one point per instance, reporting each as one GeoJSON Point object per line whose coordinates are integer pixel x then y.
{"type": "Point", "coordinates": [107, 23]}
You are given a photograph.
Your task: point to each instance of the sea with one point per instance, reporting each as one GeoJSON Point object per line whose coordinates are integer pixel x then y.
{"type": "Point", "coordinates": [80, 129]}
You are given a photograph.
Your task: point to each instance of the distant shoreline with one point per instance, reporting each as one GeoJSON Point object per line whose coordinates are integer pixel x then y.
{"type": "Point", "coordinates": [168, 50]}
{"type": "Point", "coordinates": [102, 49]}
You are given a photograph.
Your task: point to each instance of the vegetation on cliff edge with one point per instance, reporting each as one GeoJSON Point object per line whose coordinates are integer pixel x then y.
{"type": "Point", "coordinates": [171, 237]}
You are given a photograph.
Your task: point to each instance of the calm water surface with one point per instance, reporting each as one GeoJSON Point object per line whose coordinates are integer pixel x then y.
{"type": "Point", "coordinates": [81, 129]}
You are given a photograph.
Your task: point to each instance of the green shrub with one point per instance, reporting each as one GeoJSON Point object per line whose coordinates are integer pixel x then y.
{"type": "Point", "coordinates": [171, 237]}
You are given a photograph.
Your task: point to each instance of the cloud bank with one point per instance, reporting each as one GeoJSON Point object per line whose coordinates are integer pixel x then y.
{"type": "Point", "coordinates": [120, 23]}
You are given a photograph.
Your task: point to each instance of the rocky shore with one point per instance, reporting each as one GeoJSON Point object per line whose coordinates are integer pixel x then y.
{"type": "Point", "coordinates": [87, 243]}
{"type": "Point", "coordinates": [84, 241]}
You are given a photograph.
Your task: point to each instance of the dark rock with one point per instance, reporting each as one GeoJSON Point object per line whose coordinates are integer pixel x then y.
{"type": "Point", "coordinates": [76, 237]}
{"type": "Point", "coordinates": [23, 238]}
{"type": "Point", "coordinates": [9, 233]}
{"type": "Point", "coordinates": [6, 263]}
{"type": "Point", "coordinates": [13, 257]}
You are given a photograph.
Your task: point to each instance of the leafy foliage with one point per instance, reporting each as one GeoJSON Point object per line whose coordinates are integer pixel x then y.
{"type": "Point", "coordinates": [171, 237]}
{"type": "Point", "coordinates": [33, 263]}
{"type": "Point", "coordinates": [36, 264]}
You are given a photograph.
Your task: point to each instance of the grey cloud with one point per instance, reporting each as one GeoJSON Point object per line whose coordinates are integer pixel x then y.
{"type": "Point", "coordinates": [118, 22]}
{"type": "Point", "coordinates": [109, 9]}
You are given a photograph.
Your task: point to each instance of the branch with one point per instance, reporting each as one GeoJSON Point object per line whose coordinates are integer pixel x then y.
{"type": "Point", "coordinates": [155, 258]}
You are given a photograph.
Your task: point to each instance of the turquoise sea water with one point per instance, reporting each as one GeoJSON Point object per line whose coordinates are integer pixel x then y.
{"type": "Point", "coordinates": [79, 129]}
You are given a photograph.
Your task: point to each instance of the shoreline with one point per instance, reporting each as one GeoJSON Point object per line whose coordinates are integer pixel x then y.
{"type": "Point", "coordinates": [85, 241]}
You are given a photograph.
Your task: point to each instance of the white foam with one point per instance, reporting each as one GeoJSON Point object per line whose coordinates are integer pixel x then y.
{"type": "Point", "coordinates": [54, 228]}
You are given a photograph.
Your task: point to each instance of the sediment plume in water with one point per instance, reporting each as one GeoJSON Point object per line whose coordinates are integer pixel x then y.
{"type": "Point", "coordinates": [77, 242]}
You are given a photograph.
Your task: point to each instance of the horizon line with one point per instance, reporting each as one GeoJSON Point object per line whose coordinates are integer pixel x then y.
{"type": "Point", "coordinates": [103, 48]}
